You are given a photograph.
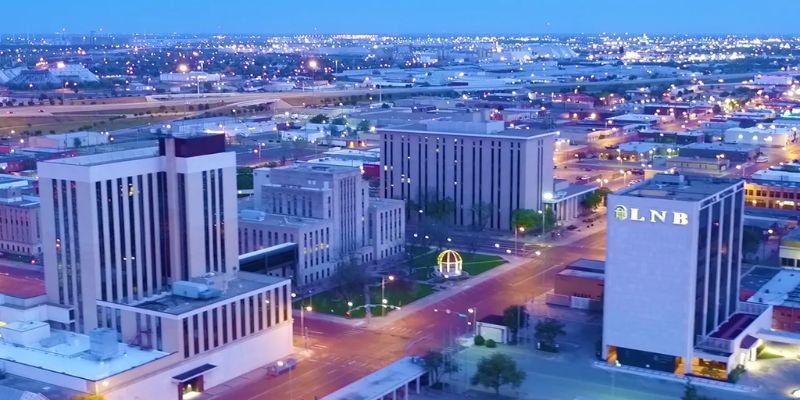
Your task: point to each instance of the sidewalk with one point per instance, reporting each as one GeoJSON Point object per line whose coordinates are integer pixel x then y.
{"type": "Point", "coordinates": [675, 378]}
{"type": "Point", "coordinates": [453, 289]}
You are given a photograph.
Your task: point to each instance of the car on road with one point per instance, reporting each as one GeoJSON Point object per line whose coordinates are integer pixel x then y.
{"type": "Point", "coordinates": [281, 366]}
{"type": "Point", "coordinates": [762, 159]}
{"type": "Point", "coordinates": [583, 178]}
{"type": "Point", "coordinates": [587, 169]}
{"type": "Point", "coordinates": [612, 147]}
{"type": "Point", "coordinates": [637, 171]}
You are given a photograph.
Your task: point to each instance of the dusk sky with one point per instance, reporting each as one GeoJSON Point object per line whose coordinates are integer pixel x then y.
{"type": "Point", "coordinates": [405, 17]}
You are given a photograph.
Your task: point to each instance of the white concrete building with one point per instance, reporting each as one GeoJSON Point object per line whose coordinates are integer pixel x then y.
{"type": "Point", "coordinates": [326, 210]}
{"type": "Point", "coordinates": [473, 163]}
{"type": "Point", "coordinates": [144, 296]}
{"type": "Point", "coordinates": [673, 305]}
{"type": "Point", "coordinates": [19, 218]}
{"type": "Point", "coordinates": [772, 136]}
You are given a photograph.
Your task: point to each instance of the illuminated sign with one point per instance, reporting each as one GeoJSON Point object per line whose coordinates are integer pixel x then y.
{"type": "Point", "coordinates": [623, 213]}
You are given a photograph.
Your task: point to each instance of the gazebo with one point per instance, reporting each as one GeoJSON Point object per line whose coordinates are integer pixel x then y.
{"type": "Point", "coordinates": [449, 264]}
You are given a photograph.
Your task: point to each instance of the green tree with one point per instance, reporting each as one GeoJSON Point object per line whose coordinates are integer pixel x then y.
{"type": "Point", "coordinates": [496, 371]}
{"type": "Point", "coordinates": [480, 216]}
{"type": "Point", "coordinates": [440, 210]}
{"type": "Point", "coordinates": [76, 142]}
{"type": "Point", "coordinates": [592, 201]}
{"type": "Point", "coordinates": [438, 364]}
{"type": "Point", "coordinates": [363, 126]}
{"type": "Point", "coordinates": [318, 119]}
{"type": "Point", "coordinates": [350, 278]}
{"type": "Point", "coordinates": [515, 318]}
{"type": "Point", "coordinates": [548, 330]}
{"type": "Point", "coordinates": [339, 121]}
{"type": "Point", "coordinates": [524, 218]}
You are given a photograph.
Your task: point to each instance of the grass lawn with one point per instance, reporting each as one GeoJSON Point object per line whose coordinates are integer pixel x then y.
{"type": "Point", "coordinates": [397, 293]}
{"type": "Point", "coordinates": [474, 264]}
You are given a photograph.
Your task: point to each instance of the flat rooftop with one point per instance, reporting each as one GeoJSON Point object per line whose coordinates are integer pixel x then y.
{"type": "Point", "coordinates": [679, 187]}
{"type": "Point", "coordinates": [69, 355]}
{"type": "Point", "coordinates": [13, 385]}
{"type": "Point", "coordinates": [380, 382]}
{"type": "Point", "coordinates": [107, 158]}
{"type": "Point", "coordinates": [422, 129]}
{"type": "Point", "coordinates": [782, 289]}
{"type": "Point", "coordinates": [719, 146]}
{"type": "Point", "coordinates": [278, 219]}
{"type": "Point", "coordinates": [245, 282]}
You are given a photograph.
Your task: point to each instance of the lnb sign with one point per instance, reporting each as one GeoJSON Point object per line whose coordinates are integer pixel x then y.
{"type": "Point", "coordinates": [623, 213]}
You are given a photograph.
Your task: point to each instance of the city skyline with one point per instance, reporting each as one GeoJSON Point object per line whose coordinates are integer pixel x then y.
{"type": "Point", "coordinates": [440, 18]}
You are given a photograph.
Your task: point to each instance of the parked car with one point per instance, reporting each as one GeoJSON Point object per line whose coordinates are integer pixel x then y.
{"type": "Point", "coordinates": [281, 366]}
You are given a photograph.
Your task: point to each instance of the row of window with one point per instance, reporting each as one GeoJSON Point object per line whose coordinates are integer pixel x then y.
{"type": "Point", "coordinates": [773, 194]}
{"type": "Point", "coordinates": [235, 320]}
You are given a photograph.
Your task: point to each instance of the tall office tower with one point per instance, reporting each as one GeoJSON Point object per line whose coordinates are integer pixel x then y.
{"type": "Point", "coordinates": [671, 299]}
{"type": "Point", "coordinates": [122, 226]}
{"type": "Point", "coordinates": [480, 165]}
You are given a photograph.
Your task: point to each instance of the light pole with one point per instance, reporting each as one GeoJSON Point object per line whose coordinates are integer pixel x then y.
{"type": "Point", "coordinates": [303, 324]}
{"type": "Point", "coordinates": [521, 229]}
{"type": "Point", "coordinates": [474, 312]}
{"type": "Point", "coordinates": [383, 293]}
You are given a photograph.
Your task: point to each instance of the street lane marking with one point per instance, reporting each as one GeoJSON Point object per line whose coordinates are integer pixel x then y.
{"type": "Point", "coordinates": [559, 265]}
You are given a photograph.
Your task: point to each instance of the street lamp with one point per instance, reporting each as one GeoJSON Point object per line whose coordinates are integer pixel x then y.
{"type": "Point", "coordinates": [383, 292]}
{"type": "Point", "coordinates": [474, 312]}
{"type": "Point", "coordinates": [521, 229]}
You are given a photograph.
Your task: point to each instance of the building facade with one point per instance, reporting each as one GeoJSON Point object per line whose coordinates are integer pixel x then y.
{"type": "Point", "coordinates": [141, 255]}
{"type": "Point", "coordinates": [386, 226]}
{"type": "Point", "coordinates": [19, 218]}
{"type": "Point", "coordinates": [673, 305]}
{"type": "Point", "coordinates": [480, 166]}
{"type": "Point", "coordinates": [777, 187]}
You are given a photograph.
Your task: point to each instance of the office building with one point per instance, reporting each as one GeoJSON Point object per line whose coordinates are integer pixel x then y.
{"type": "Point", "coordinates": [19, 218]}
{"type": "Point", "coordinates": [673, 305]}
{"type": "Point", "coordinates": [478, 164]}
{"type": "Point", "coordinates": [144, 297]}
{"type": "Point", "coordinates": [327, 212]}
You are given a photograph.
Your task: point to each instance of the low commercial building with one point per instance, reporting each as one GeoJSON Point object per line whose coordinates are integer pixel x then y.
{"type": "Point", "coordinates": [567, 200]}
{"type": "Point", "coordinates": [679, 138]}
{"type": "Point", "coordinates": [70, 140]}
{"type": "Point", "coordinates": [579, 285]}
{"type": "Point", "coordinates": [773, 136]}
{"type": "Point", "coordinates": [19, 218]}
{"type": "Point", "coordinates": [736, 152]}
{"type": "Point", "coordinates": [697, 165]}
{"type": "Point", "coordinates": [789, 250]}
{"type": "Point", "coordinates": [776, 187]}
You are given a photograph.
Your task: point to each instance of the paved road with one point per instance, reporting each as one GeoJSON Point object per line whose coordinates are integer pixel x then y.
{"type": "Point", "coordinates": [339, 354]}
{"type": "Point", "coordinates": [21, 282]}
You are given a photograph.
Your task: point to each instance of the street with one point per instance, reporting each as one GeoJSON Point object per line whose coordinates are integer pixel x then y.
{"type": "Point", "coordinates": [339, 353]}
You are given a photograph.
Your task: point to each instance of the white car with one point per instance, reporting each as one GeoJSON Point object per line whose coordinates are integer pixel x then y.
{"type": "Point", "coordinates": [762, 159]}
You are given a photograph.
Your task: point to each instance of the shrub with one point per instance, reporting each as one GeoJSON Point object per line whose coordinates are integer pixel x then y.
{"type": "Point", "coordinates": [734, 376]}
{"type": "Point", "coordinates": [479, 340]}
{"type": "Point", "coordinates": [491, 344]}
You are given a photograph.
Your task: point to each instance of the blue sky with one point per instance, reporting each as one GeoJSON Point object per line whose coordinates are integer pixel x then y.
{"type": "Point", "coordinates": [404, 16]}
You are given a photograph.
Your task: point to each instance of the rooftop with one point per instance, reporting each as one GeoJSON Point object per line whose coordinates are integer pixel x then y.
{"type": "Point", "coordinates": [68, 353]}
{"type": "Point", "coordinates": [679, 187]}
{"type": "Point", "coordinates": [782, 289]}
{"type": "Point", "coordinates": [719, 146]}
{"type": "Point", "coordinates": [380, 382]}
{"type": "Point", "coordinates": [176, 305]}
{"type": "Point", "coordinates": [278, 219]}
{"type": "Point", "coordinates": [107, 158]}
{"type": "Point", "coordinates": [12, 385]}
{"type": "Point", "coordinates": [422, 129]}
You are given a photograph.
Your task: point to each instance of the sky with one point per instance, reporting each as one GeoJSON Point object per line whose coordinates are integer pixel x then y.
{"type": "Point", "coordinates": [760, 17]}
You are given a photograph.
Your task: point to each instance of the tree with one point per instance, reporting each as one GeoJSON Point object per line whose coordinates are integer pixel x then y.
{"type": "Point", "coordinates": [496, 371]}
{"type": "Point", "coordinates": [515, 318]}
{"type": "Point", "coordinates": [318, 119]}
{"type": "Point", "coordinates": [480, 216]}
{"type": "Point", "coordinates": [440, 210]}
{"type": "Point", "coordinates": [76, 142]}
{"type": "Point", "coordinates": [548, 330]}
{"type": "Point", "coordinates": [363, 126]}
{"type": "Point", "coordinates": [524, 218]}
{"type": "Point", "coordinates": [438, 364]}
{"type": "Point", "coordinates": [350, 278]}
{"type": "Point", "coordinates": [591, 201]}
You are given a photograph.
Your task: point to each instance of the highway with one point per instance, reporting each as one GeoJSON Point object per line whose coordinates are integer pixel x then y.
{"type": "Point", "coordinates": [241, 99]}
{"type": "Point", "coordinates": [339, 354]}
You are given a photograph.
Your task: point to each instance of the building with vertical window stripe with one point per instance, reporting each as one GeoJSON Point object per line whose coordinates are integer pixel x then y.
{"type": "Point", "coordinates": [144, 294]}
{"type": "Point", "coordinates": [673, 267]}
{"type": "Point", "coordinates": [326, 210]}
{"type": "Point", "coordinates": [480, 165]}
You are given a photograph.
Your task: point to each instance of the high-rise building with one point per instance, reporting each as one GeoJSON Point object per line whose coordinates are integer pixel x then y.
{"type": "Point", "coordinates": [486, 170]}
{"type": "Point", "coordinates": [671, 296]}
{"type": "Point", "coordinates": [144, 293]}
